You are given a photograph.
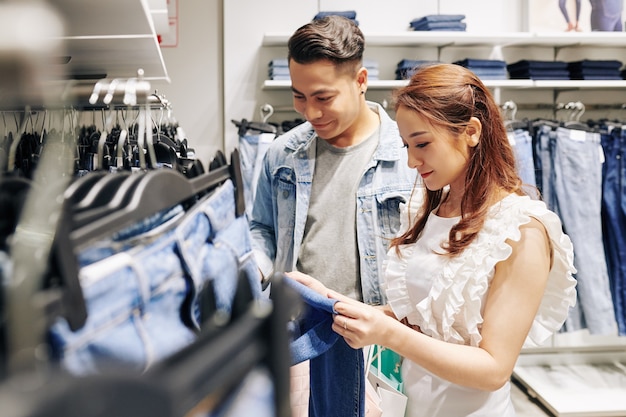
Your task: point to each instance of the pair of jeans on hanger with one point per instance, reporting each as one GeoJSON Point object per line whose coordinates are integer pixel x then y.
{"type": "Point", "coordinates": [142, 300]}
{"type": "Point", "coordinates": [614, 215]}
{"type": "Point", "coordinates": [571, 171]}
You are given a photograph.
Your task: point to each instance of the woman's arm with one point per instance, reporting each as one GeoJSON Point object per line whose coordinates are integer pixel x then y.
{"type": "Point", "coordinates": [512, 302]}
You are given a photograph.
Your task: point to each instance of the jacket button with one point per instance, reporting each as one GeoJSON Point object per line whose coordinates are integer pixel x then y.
{"type": "Point", "coordinates": [285, 194]}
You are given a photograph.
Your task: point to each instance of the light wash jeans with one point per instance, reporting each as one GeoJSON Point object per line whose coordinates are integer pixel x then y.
{"type": "Point", "coordinates": [142, 302]}
{"type": "Point", "coordinates": [523, 150]}
{"type": "Point", "coordinates": [578, 193]}
{"type": "Point", "coordinates": [252, 149]}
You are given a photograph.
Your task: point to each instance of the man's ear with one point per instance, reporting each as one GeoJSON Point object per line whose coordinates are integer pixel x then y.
{"type": "Point", "coordinates": [473, 131]}
{"type": "Point", "coordinates": [361, 78]}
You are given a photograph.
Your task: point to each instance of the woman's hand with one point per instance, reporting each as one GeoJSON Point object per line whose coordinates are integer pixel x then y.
{"type": "Point", "coordinates": [360, 324]}
{"type": "Point", "coordinates": [308, 281]}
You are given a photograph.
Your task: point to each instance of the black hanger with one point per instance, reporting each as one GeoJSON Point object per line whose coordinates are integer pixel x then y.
{"type": "Point", "coordinates": [101, 191]}
{"type": "Point", "coordinates": [158, 190]}
{"type": "Point", "coordinates": [261, 127]}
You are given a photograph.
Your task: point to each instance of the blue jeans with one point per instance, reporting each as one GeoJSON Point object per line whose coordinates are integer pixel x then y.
{"type": "Point", "coordinates": [252, 149]}
{"type": "Point", "coordinates": [578, 192]}
{"type": "Point", "coordinates": [614, 219]}
{"type": "Point", "coordinates": [544, 163]}
{"type": "Point", "coordinates": [523, 150]}
{"type": "Point", "coordinates": [337, 373]}
{"type": "Point", "coordinates": [142, 302]}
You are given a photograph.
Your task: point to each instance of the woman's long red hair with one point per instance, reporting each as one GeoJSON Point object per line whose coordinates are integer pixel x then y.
{"type": "Point", "coordinates": [448, 95]}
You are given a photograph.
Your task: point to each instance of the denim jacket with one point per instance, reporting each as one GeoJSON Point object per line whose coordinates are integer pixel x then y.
{"type": "Point", "coordinates": [284, 189]}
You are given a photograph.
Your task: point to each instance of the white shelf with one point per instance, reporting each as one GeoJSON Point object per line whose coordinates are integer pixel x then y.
{"type": "Point", "coordinates": [508, 84]}
{"type": "Point", "coordinates": [115, 38]}
{"type": "Point", "coordinates": [443, 39]}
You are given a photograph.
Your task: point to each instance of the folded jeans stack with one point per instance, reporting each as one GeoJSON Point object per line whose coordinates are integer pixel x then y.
{"type": "Point", "coordinates": [348, 14]}
{"type": "Point", "coordinates": [487, 69]}
{"type": "Point", "coordinates": [406, 67]}
{"type": "Point", "coordinates": [278, 69]}
{"type": "Point", "coordinates": [373, 72]}
{"type": "Point", "coordinates": [439, 22]}
{"type": "Point", "coordinates": [589, 69]}
{"type": "Point", "coordinates": [539, 70]}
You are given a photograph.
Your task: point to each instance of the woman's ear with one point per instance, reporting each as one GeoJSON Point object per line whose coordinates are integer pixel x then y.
{"type": "Point", "coordinates": [473, 131]}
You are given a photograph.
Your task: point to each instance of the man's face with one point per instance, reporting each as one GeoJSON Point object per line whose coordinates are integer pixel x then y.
{"type": "Point", "coordinates": [327, 96]}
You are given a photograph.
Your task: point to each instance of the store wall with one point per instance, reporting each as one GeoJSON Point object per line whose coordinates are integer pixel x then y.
{"type": "Point", "coordinates": [194, 66]}
{"type": "Point", "coordinates": [246, 21]}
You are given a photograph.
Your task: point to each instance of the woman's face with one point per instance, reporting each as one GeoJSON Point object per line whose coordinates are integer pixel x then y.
{"type": "Point", "coordinates": [440, 157]}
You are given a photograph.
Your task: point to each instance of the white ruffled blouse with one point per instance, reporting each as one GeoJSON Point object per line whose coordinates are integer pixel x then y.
{"type": "Point", "coordinates": [444, 295]}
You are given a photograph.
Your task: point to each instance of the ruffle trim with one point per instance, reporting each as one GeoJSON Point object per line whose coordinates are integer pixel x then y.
{"type": "Point", "coordinates": [452, 311]}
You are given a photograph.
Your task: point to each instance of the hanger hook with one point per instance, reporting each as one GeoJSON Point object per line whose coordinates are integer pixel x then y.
{"type": "Point", "coordinates": [266, 112]}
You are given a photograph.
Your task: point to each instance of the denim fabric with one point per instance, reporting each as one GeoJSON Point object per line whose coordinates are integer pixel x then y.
{"type": "Point", "coordinates": [123, 240]}
{"type": "Point", "coordinates": [544, 163]}
{"type": "Point", "coordinates": [457, 26]}
{"type": "Point", "coordinates": [252, 149]}
{"type": "Point", "coordinates": [338, 382]}
{"type": "Point", "coordinates": [609, 64]}
{"type": "Point", "coordinates": [142, 302]}
{"type": "Point", "coordinates": [311, 334]}
{"type": "Point", "coordinates": [435, 18]}
{"type": "Point", "coordinates": [481, 63]}
{"type": "Point", "coordinates": [540, 74]}
{"type": "Point", "coordinates": [614, 219]}
{"type": "Point", "coordinates": [280, 207]}
{"type": "Point", "coordinates": [578, 191]}
{"type": "Point", "coordinates": [523, 150]}
{"type": "Point", "coordinates": [606, 15]}
{"type": "Point", "coordinates": [348, 14]}
{"type": "Point", "coordinates": [337, 375]}
{"type": "Point", "coordinates": [525, 64]}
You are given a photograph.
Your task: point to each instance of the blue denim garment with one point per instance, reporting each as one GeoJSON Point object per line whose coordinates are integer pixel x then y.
{"type": "Point", "coordinates": [124, 239]}
{"type": "Point", "coordinates": [337, 375]}
{"type": "Point", "coordinates": [142, 302]}
{"type": "Point", "coordinates": [458, 26]}
{"type": "Point", "coordinates": [614, 216]}
{"type": "Point", "coordinates": [252, 148]}
{"type": "Point", "coordinates": [311, 333]}
{"type": "Point", "coordinates": [284, 188]}
{"type": "Point", "coordinates": [348, 14]}
{"type": "Point", "coordinates": [577, 187]}
{"type": "Point", "coordinates": [523, 150]}
{"type": "Point", "coordinates": [432, 18]}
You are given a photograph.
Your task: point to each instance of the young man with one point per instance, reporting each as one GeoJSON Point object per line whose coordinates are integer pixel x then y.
{"type": "Point", "coordinates": [328, 196]}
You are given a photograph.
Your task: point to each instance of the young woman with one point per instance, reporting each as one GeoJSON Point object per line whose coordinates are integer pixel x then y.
{"type": "Point", "coordinates": [481, 270]}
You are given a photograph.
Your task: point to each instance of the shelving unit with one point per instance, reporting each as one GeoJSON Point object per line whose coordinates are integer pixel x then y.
{"type": "Point", "coordinates": [493, 42]}
{"type": "Point", "coordinates": [111, 39]}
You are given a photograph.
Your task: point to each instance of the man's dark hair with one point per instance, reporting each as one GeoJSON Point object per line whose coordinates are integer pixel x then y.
{"type": "Point", "coordinates": [333, 38]}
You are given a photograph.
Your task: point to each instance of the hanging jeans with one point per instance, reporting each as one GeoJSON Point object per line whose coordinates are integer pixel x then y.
{"type": "Point", "coordinates": [337, 373]}
{"type": "Point", "coordinates": [577, 187]}
{"type": "Point", "coordinates": [523, 149]}
{"type": "Point", "coordinates": [142, 302]}
{"type": "Point", "coordinates": [252, 148]}
{"type": "Point", "coordinates": [614, 218]}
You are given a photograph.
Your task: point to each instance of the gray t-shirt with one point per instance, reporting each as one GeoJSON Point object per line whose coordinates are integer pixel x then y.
{"type": "Point", "coordinates": [329, 249]}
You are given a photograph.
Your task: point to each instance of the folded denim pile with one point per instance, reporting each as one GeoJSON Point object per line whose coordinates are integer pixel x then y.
{"type": "Point", "coordinates": [278, 69]}
{"type": "Point", "coordinates": [539, 70]}
{"type": "Point", "coordinates": [589, 69]}
{"type": "Point", "coordinates": [406, 67]}
{"type": "Point", "coordinates": [373, 71]}
{"type": "Point", "coordinates": [348, 14]}
{"type": "Point", "coordinates": [486, 69]}
{"type": "Point", "coordinates": [439, 22]}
